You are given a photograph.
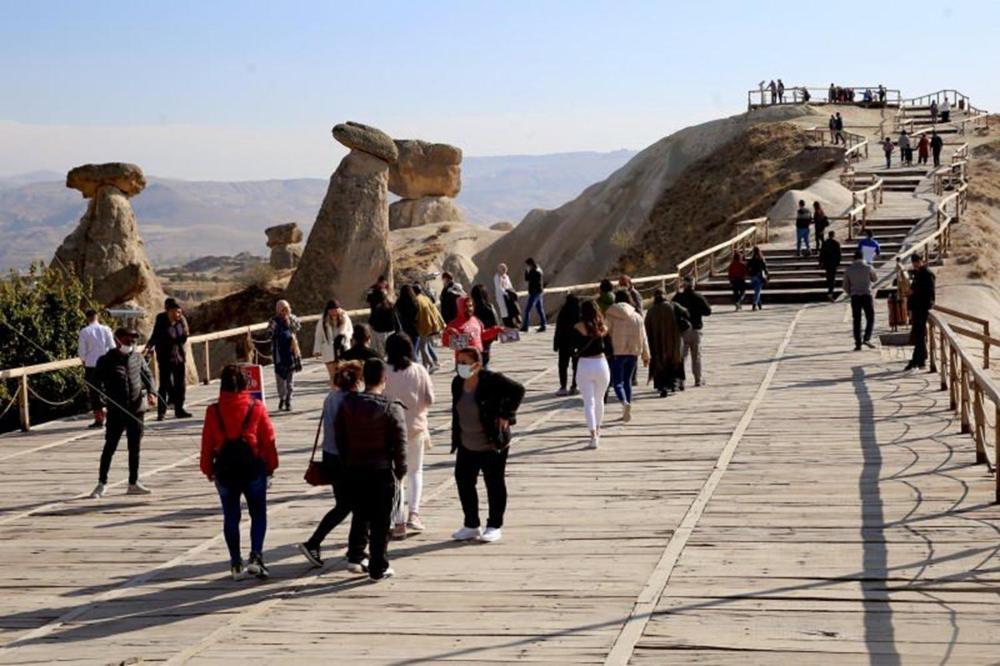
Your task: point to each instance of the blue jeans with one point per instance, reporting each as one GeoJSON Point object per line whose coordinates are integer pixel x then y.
{"type": "Point", "coordinates": [757, 282]}
{"type": "Point", "coordinates": [425, 351]}
{"type": "Point", "coordinates": [622, 370]}
{"type": "Point", "coordinates": [801, 239]}
{"type": "Point", "coordinates": [256, 494]}
{"type": "Point", "coordinates": [534, 301]}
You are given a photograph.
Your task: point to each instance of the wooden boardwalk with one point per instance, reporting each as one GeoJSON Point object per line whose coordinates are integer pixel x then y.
{"type": "Point", "coordinates": [809, 505]}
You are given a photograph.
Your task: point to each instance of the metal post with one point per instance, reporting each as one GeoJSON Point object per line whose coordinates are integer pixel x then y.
{"type": "Point", "coordinates": [25, 413]}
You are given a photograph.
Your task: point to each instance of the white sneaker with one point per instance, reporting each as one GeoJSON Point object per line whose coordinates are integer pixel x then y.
{"type": "Point", "coordinates": [626, 413]}
{"type": "Point", "coordinates": [358, 567]}
{"type": "Point", "coordinates": [388, 573]}
{"type": "Point", "coordinates": [137, 489]}
{"type": "Point", "coordinates": [491, 534]}
{"type": "Point", "coordinates": [595, 440]}
{"type": "Point", "coordinates": [98, 491]}
{"type": "Point", "coordinates": [467, 534]}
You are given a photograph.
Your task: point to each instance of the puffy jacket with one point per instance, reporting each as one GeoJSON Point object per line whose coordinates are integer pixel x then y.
{"type": "Point", "coordinates": [627, 331]}
{"type": "Point", "coordinates": [258, 433]}
{"type": "Point", "coordinates": [125, 379]}
{"type": "Point", "coordinates": [371, 433]}
{"type": "Point", "coordinates": [498, 397]}
{"type": "Point", "coordinates": [449, 301]}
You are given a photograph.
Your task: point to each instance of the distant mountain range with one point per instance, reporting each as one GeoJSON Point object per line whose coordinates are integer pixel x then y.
{"type": "Point", "coordinates": [181, 220]}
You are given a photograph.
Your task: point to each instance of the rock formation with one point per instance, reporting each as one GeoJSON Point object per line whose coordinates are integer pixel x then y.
{"type": "Point", "coordinates": [502, 226]}
{"type": "Point", "coordinates": [427, 176]}
{"type": "Point", "coordinates": [284, 240]}
{"type": "Point", "coordinates": [348, 247]}
{"type": "Point", "coordinates": [105, 248]}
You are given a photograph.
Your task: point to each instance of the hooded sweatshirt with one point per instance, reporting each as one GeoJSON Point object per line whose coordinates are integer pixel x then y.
{"type": "Point", "coordinates": [627, 331]}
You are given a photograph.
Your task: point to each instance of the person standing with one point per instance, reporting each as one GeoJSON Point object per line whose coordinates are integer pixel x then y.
{"type": "Point", "coordinates": [239, 455]}
{"type": "Point", "coordinates": [923, 149]}
{"type": "Point", "coordinates": [859, 282]}
{"type": "Point", "coordinates": [334, 331]}
{"type": "Point", "coordinates": [869, 247]}
{"type": "Point", "coordinates": [634, 297]}
{"type": "Point", "coordinates": [803, 220]}
{"type": "Point", "coordinates": [936, 145]}
{"type": "Point", "coordinates": [945, 110]}
{"type": "Point", "coordinates": [483, 408]}
{"type": "Point", "coordinates": [502, 289]}
{"type": "Point", "coordinates": [536, 289]}
{"type": "Point", "coordinates": [820, 224]}
{"type": "Point", "coordinates": [833, 129]}
{"type": "Point", "coordinates": [361, 345]}
{"type": "Point", "coordinates": [881, 94]}
{"type": "Point", "coordinates": [839, 127]}
{"type": "Point", "coordinates": [409, 384]}
{"type": "Point", "coordinates": [593, 371]}
{"type": "Point", "coordinates": [605, 296]}
{"type": "Point", "coordinates": [487, 314]}
{"type": "Point", "coordinates": [934, 111]}
{"type": "Point", "coordinates": [831, 94]}
{"type": "Point", "coordinates": [629, 343]}
{"type": "Point", "coordinates": [905, 151]}
{"type": "Point", "coordinates": [562, 343]}
{"type": "Point", "coordinates": [450, 295]}
{"type": "Point", "coordinates": [382, 319]}
{"type": "Point", "coordinates": [920, 302]}
{"type": "Point", "coordinates": [170, 334]}
{"type": "Point", "coordinates": [94, 341]}
{"type": "Point", "coordinates": [738, 274]}
{"type": "Point", "coordinates": [830, 258]}
{"type": "Point", "coordinates": [773, 88]}
{"type": "Point", "coordinates": [126, 382]}
{"type": "Point", "coordinates": [406, 311]}
{"type": "Point", "coordinates": [347, 379]}
{"type": "Point", "coordinates": [429, 324]}
{"type": "Point", "coordinates": [757, 268]}
{"type": "Point", "coordinates": [887, 148]}
{"type": "Point", "coordinates": [666, 354]}
{"type": "Point", "coordinates": [467, 324]}
{"type": "Point", "coordinates": [698, 308]}
{"type": "Point", "coordinates": [781, 92]}
{"type": "Point", "coordinates": [371, 436]}
{"type": "Point", "coordinates": [285, 356]}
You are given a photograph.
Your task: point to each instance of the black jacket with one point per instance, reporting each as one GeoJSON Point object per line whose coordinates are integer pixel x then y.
{"type": "Point", "coordinates": [498, 397]}
{"type": "Point", "coordinates": [830, 255]}
{"type": "Point", "coordinates": [125, 379]}
{"type": "Point", "coordinates": [358, 354]}
{"type": "Point", "coordinates": [568, 317]}
{"type": "Point", "coordinates": [371, 433]}
{"type": "Point", "coordinates": [449, 302]}
{"type": "Point", "coordinates": [922, 290]}
{"type": "Point", "coordinates": [536, 284]}
{"type": "Point", "coordinates": [161, 341]}
{"type": "Point", "coordinates": [696, 306]}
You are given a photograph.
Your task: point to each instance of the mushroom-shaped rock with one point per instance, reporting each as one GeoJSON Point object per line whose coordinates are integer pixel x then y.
{"type": "Point", "coordinates": [502, 226]}
{"type": "Point", "coordinates": [89, 178]}
{"type": "Point", "coordinates": [366, 139]}
{"type": "Point", "coordinates": [426, 170]}
{"type": "Point", "coordinates": [283, 234]}
{"type": "Point", "coordinates": [407, 213]}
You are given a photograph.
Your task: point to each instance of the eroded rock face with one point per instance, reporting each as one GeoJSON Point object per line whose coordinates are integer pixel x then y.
{"type": "Point", "coordinates": [407, 213]}
{"type": "Point", "coordinates": [89, 178]}
{"type": "Point", "coordinates": [285, 257]}
{"type": "Point", "coordinates": [426, 170]}
{"type": "Point", "coordinates": [502, 226]}
{"type": "Point", "coordinates": [283, 234]}
{"type": "Point", "coordinates": [348, 247]}
{"type": "Point", "coordinates": [366, 139]}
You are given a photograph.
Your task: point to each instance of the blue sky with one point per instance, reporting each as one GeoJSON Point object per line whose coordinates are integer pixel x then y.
{"type": "Point", "coordinates": [236, 90]}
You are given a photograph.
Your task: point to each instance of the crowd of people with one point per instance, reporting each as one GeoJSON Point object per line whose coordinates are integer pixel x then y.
{"type": "Point", "coordinates": [846, 95]}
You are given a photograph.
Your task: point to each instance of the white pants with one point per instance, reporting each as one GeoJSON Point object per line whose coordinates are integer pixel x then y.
{"type": "Point", "coordinates": [593, 377]}
{"type": "Point", "coordinates": [414, 480]}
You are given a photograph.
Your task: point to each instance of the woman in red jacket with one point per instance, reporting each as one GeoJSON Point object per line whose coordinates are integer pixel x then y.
{"type": "Point", "coordinates": [238, 453]}
{"type": "Point", "coordinates": [466, 329]}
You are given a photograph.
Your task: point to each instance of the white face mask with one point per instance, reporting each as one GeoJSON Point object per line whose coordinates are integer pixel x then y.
{"type": "Point", "coordinates": [126, 349]}
{"type": "Point", "coordinates": [465, 370]}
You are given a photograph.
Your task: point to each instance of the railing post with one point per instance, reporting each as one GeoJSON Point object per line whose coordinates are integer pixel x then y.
{"type": "Point", "coordinates": [979, 435]}
{"type": "Point", "coordinates": [208, 365]}
{"type": "Point", "coordinates": [932, 345]}
{"type": "Point", "coordinates": [25, 413]}
{"type": "Point", "coordinates": [986, 349]}
{"type": "Point", "coordinates": [996, 451]}
{"type": "Point", "coordinates": [953, 376]}
{"type": "Point", "coordinates": [944, 360]}
{"type": "Point", "coordinates": [965, 399]}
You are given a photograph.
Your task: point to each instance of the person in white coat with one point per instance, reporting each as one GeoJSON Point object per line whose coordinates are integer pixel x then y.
{"type": "Point", "coordinates": [334, 332]}
{"type": "Point", "coordinates": [95, 340]}
{"type": "Point", "coordinates": [501, 284]}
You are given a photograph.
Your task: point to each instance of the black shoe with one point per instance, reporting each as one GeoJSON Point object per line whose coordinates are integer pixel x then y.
{"type": "Point", "coordinates": [182, 414]}
{"type": "Point", "coordinates": [288, 405]}
{"type": "Point", "coordinates": [909, 366]}
{"type": "Point", "coordinates": [540, 329]}
{"type": "Point", "coordinates": [281, 405]}
{"type": "Point", "coordinates": [160, 417]}
{"type": "Point", "coordinates": [663, 393]}
{"type": "Point", "coordinates": [256, 566]}
{"type": "Point", "coordinates": [96, 424]}
{"type": "Point", "coordinates": [680, 386]}
{"type": "Point", "coordinates": [868, 343]}
{"type": "Point", "coordinates": [311, 554]}
{"type": "Point", "coordinates": [857, 347]}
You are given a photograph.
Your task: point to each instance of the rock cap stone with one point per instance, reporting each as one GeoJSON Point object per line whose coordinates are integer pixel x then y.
{"type": "Point", "coordinates": [283, 234]}
{"type": "Point", "coordinates": [367, 139]}
{"type": "Point", "coordinates": [90, 178]}
{"type": "Point", "coordinates": [426, 169]}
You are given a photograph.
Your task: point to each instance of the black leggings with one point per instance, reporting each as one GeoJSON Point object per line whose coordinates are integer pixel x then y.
{"type": "Point", "coordinates": [565, 356]}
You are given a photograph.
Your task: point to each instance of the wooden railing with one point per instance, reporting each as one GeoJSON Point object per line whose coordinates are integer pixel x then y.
{"type": "Point", "coordinates": [970, 389]}
{"type": "Point", "coordinates": [855, 144]}
{"type": "Point", "coordinates": [704, 264]}
{"type": "Point", "coordinates": [982, 336]}
{"type": "Point", "coordinates": [759, 97]}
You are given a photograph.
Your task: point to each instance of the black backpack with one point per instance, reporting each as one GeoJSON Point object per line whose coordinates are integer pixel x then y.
{"type": "Point", "coordinates": [235, 462]}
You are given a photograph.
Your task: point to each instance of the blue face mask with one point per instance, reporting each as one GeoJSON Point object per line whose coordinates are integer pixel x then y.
{"type": "Point", "coordinates": [465, 370]}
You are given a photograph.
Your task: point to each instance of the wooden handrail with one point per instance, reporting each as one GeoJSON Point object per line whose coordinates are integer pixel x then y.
{"type": "Point", "coordinates": [983, 337]}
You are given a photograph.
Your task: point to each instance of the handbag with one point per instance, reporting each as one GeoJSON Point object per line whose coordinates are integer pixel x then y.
{"type": "Point", "coordinates": [316, 473]}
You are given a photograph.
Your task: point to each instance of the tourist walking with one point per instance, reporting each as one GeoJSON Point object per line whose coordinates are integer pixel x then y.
{"type": "Point", "coordinates": [830, 258]}
{"type": "Point", "coordinates": [406, 311]}
{"type": "Point", "coordinates": [697, 308]}
{"type": "Point", "coordinates": [506, 297]}
{"type": "Point", "coordinates": [533, 276]}
{"type": "Point", "coordinates": [923, 149]}
{"type": "Point", "coordinates": [605, 296]}
{"type": "Point", "coordinates": [483, 408]}
{"type": "Point", "coordinates": [664, 328]}
{"type": "Point", "coordinates": [920, 302]}
{"type": "Point", "coordinates": [738, 275]}
{"type": "Point", "coordinates": [869, 247]}
{"type": "Point", "coordinates": [127, 384]}
{"type": "Point", "coordinates": [757, 267]}
{"type": "Point", "coordinates": [370, 431]}
{"type": "Point", "coordinates": [634, 297]}
{"type": "Point", "coordinates": [361, 345]}
{"type": "Point", "coordinates": [334, 331]}
{"type": "Point", "coordinates": [905, 151]}
{"type": "Point", "coordinates": [859, 283]}
{"type": "Point", "coordinates": [409, 384]}
{"type": "Point", "coordinates": [629, 343]}
{"type": "Point", "coordinates": [833, 129]}
{"type": "Point", "coordinates": [803, 220]}
{"type": "Point", "coordinates": [94, 341]}
{"type": "Point", "coordinates": [887, 148]}
{"type": "Point", "coordinates": [937, 143]}
{"type": "Point", "coordinates": [429, 324]}
{"type": "Point", "coordinates": [593, 347]}
{"type": "Point", "coordinates": [487, 314]}
{"type": "Point", "coordinates": [239, 455]}
{"type": "Point", "coordinates": [170, 334]}
{"type": "Point", "coordinates": [346, 379]}
{"type": "Point", "coordinates": [820, 224]}
{"type": "Point", "coordinates": [562, 343]}
{"type": "Point", "coordinates": [945, 110]}
{"type": "Point", "coordinates": [466, 330]}
{"type": "Point", "coordinates": [450, 295]}
{"type": "Point", "coordinates": [285, 355]}
{"type": "Point", "coordinates": [382, 319]}
{"type": "Point", "coordinates": [838, 125]}
{"type": "Point", "coordinates": [934, 111]}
